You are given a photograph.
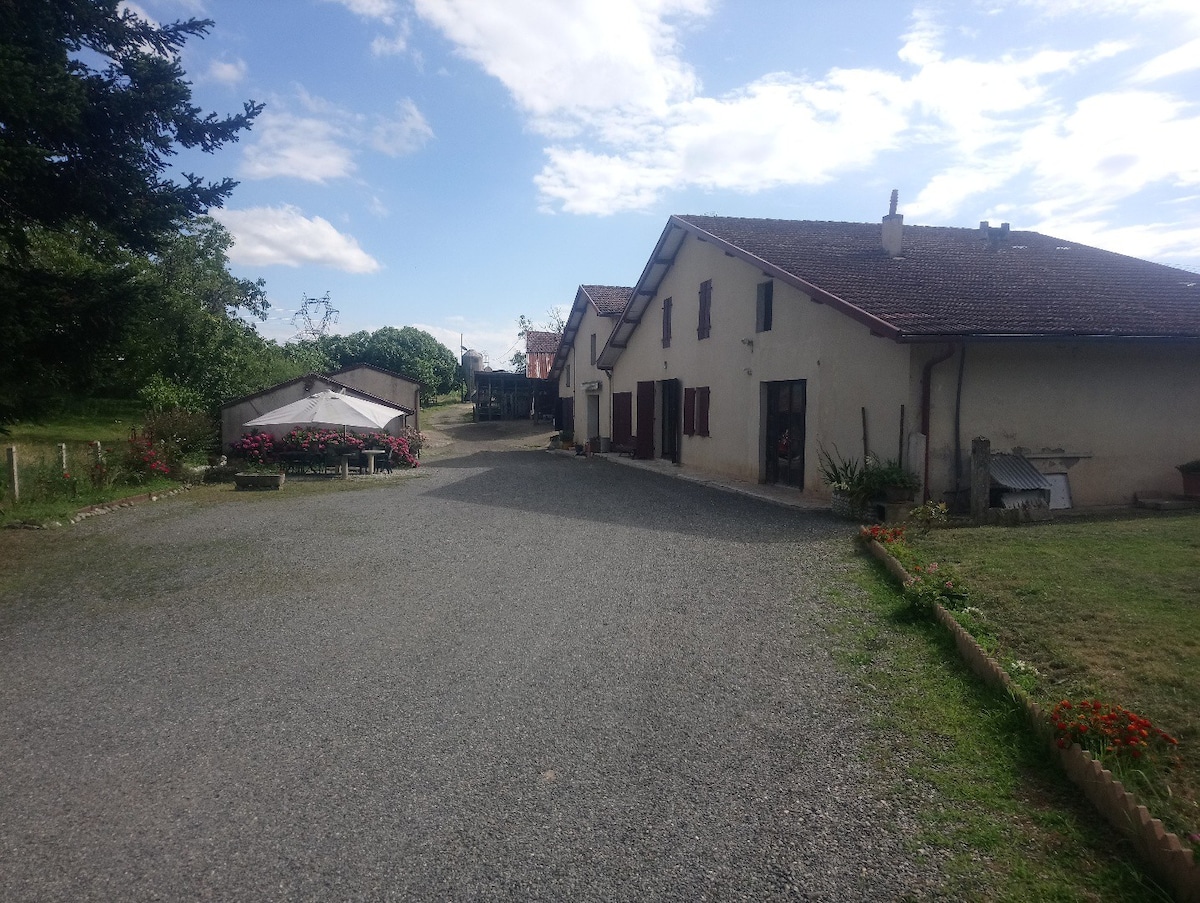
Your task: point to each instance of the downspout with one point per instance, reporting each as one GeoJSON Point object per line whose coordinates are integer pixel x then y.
{"type": "Point", "coordinates": [926, 392]}
{"type": "Point", "coordinates": [611, 406]}
{"type": "Point", "coordinates": [962, 365]}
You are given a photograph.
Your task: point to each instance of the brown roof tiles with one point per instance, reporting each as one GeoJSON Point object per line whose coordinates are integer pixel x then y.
{"type": "Point", "coordinates": [971, 282]}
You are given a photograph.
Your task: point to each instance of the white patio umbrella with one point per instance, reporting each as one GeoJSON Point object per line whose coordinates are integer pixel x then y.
{"type": "Point", "coordinates": [330, 409]}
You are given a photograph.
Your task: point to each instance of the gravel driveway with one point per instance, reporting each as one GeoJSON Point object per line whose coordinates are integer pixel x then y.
{"type": "Point", "coordinates": [518, 675]}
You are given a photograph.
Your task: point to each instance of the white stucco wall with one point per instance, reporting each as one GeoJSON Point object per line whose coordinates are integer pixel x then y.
{"type": "Point", "coordinates": [845, 368]}
{"type": "Point", "coordinates": [1123, 414]}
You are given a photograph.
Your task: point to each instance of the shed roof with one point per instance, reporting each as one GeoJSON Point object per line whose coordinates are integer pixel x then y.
{"type": "Point", "coordinates": [541, 342]}
{"type": "Point", "coordinates": [1016, 472]}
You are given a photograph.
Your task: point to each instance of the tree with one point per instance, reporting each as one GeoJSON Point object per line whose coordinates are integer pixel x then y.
{"type": "Point", "coordinates": [65, 307]}
{"type": "Point", "coordinates": [188, 347]}
{"type": "Point", "coordinates": [93, 102]}
{"type": "Point", "coordinates": [410, 351]}
{"type": "Point", "coordinates": [195, 263]}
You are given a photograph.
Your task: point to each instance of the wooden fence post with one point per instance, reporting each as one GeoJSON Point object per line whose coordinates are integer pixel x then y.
{"type": "Point", "coordinates": [12, 473]}
{"type": "Point", "coordinates": [62, 456]}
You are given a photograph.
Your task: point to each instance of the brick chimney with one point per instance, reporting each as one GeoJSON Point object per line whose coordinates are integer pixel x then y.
{"type": "Point", "coordinates": [893, 229]}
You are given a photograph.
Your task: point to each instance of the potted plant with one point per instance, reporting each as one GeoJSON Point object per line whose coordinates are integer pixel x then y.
{"type": "Point", "coordinates": [892, 482]}
{"type": "Point", "coordinates": [1191, 478]}
{"type": "Point", "coordinates": [849, 494]}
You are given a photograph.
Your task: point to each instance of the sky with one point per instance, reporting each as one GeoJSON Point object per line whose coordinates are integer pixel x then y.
{"type": "Point", "coordinates": [454, 164]}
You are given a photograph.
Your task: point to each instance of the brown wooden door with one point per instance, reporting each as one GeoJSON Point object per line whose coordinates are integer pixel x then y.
{"type": "Point", "coordinates": [672, 392]}
{"type": "Point", "coordinates": [622, 418]}
{"type": "Point", "coordinates": [645, 420]}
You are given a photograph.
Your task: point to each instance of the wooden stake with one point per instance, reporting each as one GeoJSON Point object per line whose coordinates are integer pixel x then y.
{"type": "Point", "coordinates": [12, 473]}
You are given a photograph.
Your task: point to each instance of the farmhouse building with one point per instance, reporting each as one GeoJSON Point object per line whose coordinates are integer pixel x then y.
{"type": "Point", "coordinates": [750, 345]}
{"type": "Point", "coordinates": [583, 389]}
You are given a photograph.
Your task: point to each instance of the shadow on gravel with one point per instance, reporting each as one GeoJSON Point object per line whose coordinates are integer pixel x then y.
{"type": "Point", "coordinates": [595, 490]}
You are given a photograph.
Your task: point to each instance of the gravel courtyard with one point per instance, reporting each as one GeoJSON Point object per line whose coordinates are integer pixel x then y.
{"type": "Point", "coordinates": [513, 675]}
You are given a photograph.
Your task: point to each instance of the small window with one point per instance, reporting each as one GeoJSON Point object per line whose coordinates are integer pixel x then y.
{"type": "Point", "coordinates": [702, 397]}
{"type": "Point", "coordinates": [568, 371]}
{"type": "Point", "coordinates": [704, 326]}
{"type": "Point", "coordinates": [666, 322]}
{"type": "Point", "coordinates": [689, 412]}
{"type": "Point", "coordinates": [593, 349]}
{"type": "Point", "coordinates": [765, 307]}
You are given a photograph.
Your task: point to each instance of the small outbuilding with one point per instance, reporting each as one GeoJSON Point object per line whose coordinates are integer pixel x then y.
{"type": "Point", "coordinates": [362, 380]}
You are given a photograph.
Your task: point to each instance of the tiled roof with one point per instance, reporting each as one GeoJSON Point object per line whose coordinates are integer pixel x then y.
{"type": "Point", "coordinates": [541, 342]}
{"type": "Point", "coordinates": [609, 299]}
{"type": "Point", "coordinates": [954, 281]}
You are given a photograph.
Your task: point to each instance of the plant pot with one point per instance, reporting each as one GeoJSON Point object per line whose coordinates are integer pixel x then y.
{"type": "Point", "coordinates": [1191, 483]}
{"type": "Point", "coordinates": [895, 494]}
{"type": "Point", "coordinates": [258, 480]}
{"type": "Point", "coordinates": [843, 505]}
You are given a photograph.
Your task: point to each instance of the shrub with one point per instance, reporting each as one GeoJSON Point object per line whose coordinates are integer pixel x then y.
{"type": "Point", "coordinates": [145, 458]}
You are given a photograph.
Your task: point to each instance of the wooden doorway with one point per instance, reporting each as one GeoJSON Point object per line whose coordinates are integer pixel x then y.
{"type": "Point", "coordinates": [783, 414]}
{"type": "Point", "coordinates": [645, 420]}
{"type": "Point", "coordinates": [672, 406]}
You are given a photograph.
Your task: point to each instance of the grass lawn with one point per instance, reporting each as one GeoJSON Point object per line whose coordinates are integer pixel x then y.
{"type": "Point", "coordinates": [996, 814]}
{"type": "Point", "coordinates": [1099, 609]}
{"type": "Point", "coordinates": [92, 420]}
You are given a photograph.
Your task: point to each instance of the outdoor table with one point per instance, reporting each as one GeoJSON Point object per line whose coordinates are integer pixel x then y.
{"type": "Point", "coordinates": [344, 467]}
{"type": "Point", "coordinates": [371, 453]}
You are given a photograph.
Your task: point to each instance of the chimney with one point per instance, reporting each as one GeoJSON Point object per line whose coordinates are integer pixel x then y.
{"type": "Point", "coordinates": [893, 228]}
{"type": "Point", "coordinates": [991, 234]}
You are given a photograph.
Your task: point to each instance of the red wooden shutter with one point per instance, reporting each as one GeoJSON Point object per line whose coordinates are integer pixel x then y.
{"type": "Point", "coordinates": [704, 326]}
{"type": "Point", "coordinates": [702, 395]}
{"type": "Point", "coordinates": [666, 323]}
{"type": "Point", "coordinates": [689, 412]}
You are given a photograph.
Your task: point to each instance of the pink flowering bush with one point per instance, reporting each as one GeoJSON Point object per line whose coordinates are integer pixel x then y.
{"type": "Point", "coordinates": [255, 448]}
{"type": "Point", "coordinates": [263, 449]}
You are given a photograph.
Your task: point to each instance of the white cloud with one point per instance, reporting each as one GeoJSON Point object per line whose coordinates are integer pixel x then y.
{"type": "Point", "coordinates": [1176, 61]}
{"type": "Point", "coordinates": [394, 45]}
{"type": "Point", "coordinates": [563, 61]}
{"type": "Point", "coordinates": [1061, 129]}
{"type": "Point", "coordinates": [322, 145]}
{"type": "Point", "coordinates": [284, 236]}
{"type": "Point", "coordinates": [299, 147]}
{"type": "Point", "coordinates": [227, 73]}
{"type": "Point", "coordinates": [404, 133]}
{"type": "Point", "coordinates": [382, 10]}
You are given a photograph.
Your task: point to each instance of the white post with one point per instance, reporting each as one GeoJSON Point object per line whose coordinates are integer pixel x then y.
{"type": "Point", "coordinates": [62, 456]}
{"type": "Point", "coordinates": [12, 473]}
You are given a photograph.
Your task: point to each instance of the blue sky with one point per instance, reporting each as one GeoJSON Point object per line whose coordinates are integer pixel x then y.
{"type": "Point", "coordinates": [452, 164]}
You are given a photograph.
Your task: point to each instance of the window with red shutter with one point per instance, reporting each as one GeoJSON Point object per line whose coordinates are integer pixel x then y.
{"type": "Point", "coordinates": [702, 396]}
{"type": "Point", "coordinates": [704, 327]}
{"type": "Point", "coordinates": [666, 322]}
{"type": "Point", "coordinates": [689, 412]}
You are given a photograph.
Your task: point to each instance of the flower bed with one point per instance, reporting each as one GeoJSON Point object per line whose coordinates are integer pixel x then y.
{"type": "Point", "coordinates": [262, 448]}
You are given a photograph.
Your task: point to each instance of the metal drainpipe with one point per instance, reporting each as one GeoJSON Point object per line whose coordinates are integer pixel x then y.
{"type": "Point", "coordinates": [926, 391]}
